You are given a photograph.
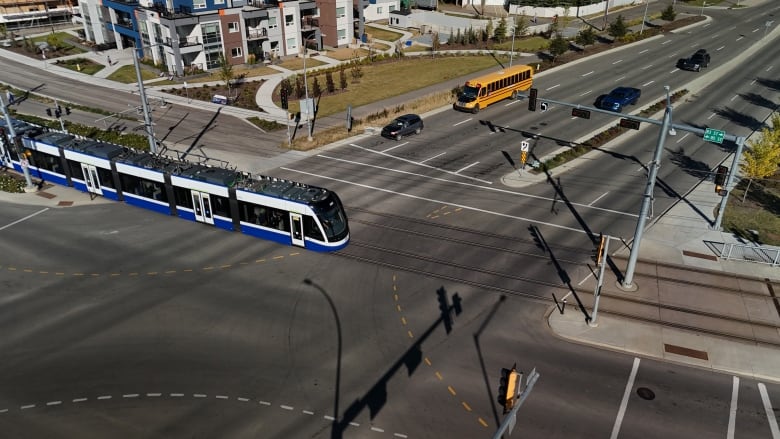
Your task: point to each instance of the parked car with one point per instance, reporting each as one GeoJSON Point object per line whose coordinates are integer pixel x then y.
{"type": "Point", "coordinates": [696, 62]}
{"type": "Point", "coordinates": [403, 126]}
{"type": "Point", "coordinates": [619, 98]}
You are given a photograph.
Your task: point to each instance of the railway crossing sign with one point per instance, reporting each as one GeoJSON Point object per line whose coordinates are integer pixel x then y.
{"type": "Point", "coordinates": [716, 136]}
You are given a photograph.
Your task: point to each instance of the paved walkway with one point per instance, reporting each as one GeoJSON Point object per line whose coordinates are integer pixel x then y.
{"type": "Point", "coordinates": [673, 237]}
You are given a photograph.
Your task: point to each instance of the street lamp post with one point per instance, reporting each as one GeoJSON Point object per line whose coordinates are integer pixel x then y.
{"type": "Point", "coordinates": [512, 53]}
{"type": "Point", "coordinates": [703, 4]}
{"type": "Point", "coordinates": [144, 104]}
{"type": "Point", "coordinates": [644, 18]}
{"type": "Point", "coordinates": [187, 91]}
{"type": "Point", "coordinates": [306, 90]}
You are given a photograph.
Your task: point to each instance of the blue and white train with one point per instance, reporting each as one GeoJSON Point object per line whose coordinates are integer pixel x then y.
{"type": "Point", "coordinates": [269, 208]}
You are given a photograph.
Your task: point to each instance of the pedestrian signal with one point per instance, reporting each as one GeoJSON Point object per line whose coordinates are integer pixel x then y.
{"type": "Point", "coordinates": [720, 177]}
{"type": "Point", "coordinates": [48, 112]}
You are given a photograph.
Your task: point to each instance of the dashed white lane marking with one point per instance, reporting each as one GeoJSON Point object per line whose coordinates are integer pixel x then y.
{"type": "Point", "coordinates": [770, 413]}
{"type": "Point", "coordinates": [624, 403]}
{"type": "Point", "coordinates": [733, 409]}
{"type": "Point", "coordinates": [198, 396]}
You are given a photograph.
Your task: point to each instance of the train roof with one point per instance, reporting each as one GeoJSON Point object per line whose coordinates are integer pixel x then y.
{"type": "Point", "coordinates": [271, 186]}
{"type": "Point", "coordinates": [54, 138]}
{"type": "Point", "coordinates": [286, 189]}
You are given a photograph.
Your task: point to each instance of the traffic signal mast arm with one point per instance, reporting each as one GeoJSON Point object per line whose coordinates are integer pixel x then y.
{"type": "Point", "coordinates": [688, 128]}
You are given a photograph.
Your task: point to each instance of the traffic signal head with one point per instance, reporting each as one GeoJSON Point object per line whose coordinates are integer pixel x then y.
{"type": "Point", "coordinates": [67, 111]}
{"type": "Point", "coordinates": [598, 250]}
{"type": "Point", "coordinates": [48, 112]}
{"type": "Point", "coordinates": [57, 113]}
{"type": "Point", "coordinates": [629, 123]}
{"type": "Point", "coordinates": [580, 112]}
{"type": "Point", "coordinates": [507, 388]}
{"type": "Point", "coordinates": [532, 94]}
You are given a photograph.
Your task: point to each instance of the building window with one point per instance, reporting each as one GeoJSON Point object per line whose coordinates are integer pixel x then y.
{"type": "Point", "coordinates": [210, 33]}
{"type": "Point", "coordinates": [341, 12]}
{"type": "Point", "coordinates": [199, 4]}
{"type": "Point", "coordinates": [235, 52]}
{"type": "Point", "coordinates": [291, 44]}
{"type": "Point", "coordinates": [219, 2]}
{"type": "Point", "coordinates": [289, 20]}
{"type": "Point", "coordinates": [392, 8]}
{"type": "Point", "coordinates": [342, 34]}
{"type": "Point", "coordinates": [233, 27]}
{"type": "Point", "coordinates": [379, 10]}
{"type": "Point", "coordinates": [272, 23]}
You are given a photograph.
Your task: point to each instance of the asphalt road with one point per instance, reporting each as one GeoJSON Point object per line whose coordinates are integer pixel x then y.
{"type": "Point", "coordinates": [122, 323]}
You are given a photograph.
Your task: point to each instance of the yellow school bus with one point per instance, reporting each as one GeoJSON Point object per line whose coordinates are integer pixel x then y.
{"type": "Point", "coordinates": [480, 92]}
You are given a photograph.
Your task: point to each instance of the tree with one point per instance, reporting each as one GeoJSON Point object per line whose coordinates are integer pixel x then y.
{"type": "Point", "coordinates": [558, 46]}
{"type": "Point", "coordinates": [226, 71]}
{"type": "Point", "coordinates": [54, 41]}
{"type": "Point", "coordinates": [329, 84]}
{"type": "Point", "coordinates": [316, 88]}
{"type": "Point", "coordinates": [521, 25]}
{"type": "Point", "coordinates": [668, 14]}
{"type": "Point", "coordinates": [488, 32]}
{"type": "Point", "coordinates": [342, 77]}
{"type": "Point", "coordinates": [435, 43]}
{"type": "Point", "coordinates": [586, 36]}
{"type": "Point", "coordinates": [618, 28]}
{"type": "Point", "coordinates": [762, 156]}
{"type": "Point", "coordinates": [500, 33]}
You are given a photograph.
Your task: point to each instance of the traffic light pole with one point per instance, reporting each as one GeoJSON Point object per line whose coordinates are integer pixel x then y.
{"type": "Point", "coordinates": [740, 141]}
{"type": "Point", "coordinates": [597, 293]}
{"type": "Point", "coordinates": [648, 196]}
{"type": "Point", "coordinates": [22, 159]}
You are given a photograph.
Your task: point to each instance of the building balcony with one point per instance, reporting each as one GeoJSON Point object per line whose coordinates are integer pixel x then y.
{"type": "Point", "coordinates": [257, 34]}
{"type": "Point", "coordinates": [186, 45]}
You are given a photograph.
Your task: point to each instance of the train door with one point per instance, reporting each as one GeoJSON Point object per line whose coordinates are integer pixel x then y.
{"type": "Point", "coordinates": [201, 203]}
{"type": "Point", "coordinates": [91, 179]}
{"type": "Point", "coordinates": [296, 229]}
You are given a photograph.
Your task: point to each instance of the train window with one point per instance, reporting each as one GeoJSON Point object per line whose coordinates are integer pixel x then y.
{"type": "Point", "coordinates": [143, 187]}
{"type": "Point", "coordinates": [106, 178]}
{"type": "Point", "coordinates": [45, 161]}
{"type": "Point", "coordinates": [310, 228]}
{"type": "Point", "coordinates": [220, 206]}
{"type": "Point", "coordinates": [75, 169]}
{"type": "Point", "coordinates": [183, 197]}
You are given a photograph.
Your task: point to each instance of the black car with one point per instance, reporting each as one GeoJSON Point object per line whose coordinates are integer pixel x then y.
{"type": "Point", "coordinates": [697, 61]}
{"type": "Point", "coordinates": [403, 126]}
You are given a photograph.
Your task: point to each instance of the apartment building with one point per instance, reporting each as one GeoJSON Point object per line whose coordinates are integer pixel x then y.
{"type": "Point", "coordinates": [183, 35]}
{"type": "Point", "coordinates": [15, 14]}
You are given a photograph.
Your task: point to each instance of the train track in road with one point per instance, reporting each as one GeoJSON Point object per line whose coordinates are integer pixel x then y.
{"type": "Point", "coordinates": [489, 261]}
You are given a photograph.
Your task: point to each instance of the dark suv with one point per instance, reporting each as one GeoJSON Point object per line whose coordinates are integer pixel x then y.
{"type": "Point", "coordinates": [697, 61]}
{"type": "Point", "coordinates": [403, 126]}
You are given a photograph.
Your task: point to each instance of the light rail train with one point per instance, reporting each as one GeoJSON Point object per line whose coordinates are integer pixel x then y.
{"type": "Point", "coordinates": [269, 208]}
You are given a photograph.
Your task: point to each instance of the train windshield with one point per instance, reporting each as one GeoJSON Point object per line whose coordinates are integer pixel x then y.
{"type": "Point", "coordinates": [334, 220]}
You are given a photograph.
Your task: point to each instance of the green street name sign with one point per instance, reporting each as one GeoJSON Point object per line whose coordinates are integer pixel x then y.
{"type": "Point", "coordinates": [716, 136]}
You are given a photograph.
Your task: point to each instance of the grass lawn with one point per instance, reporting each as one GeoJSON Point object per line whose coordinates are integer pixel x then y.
{"type": "Point", "coordinates": [126, 74]}
{"type": "Point", "coordinates": [297, 63]}
{"type": "Point", "coordinates": [345, 54]}
{"type": "Point", "coordinates": [760, 211]}
{"type": "Point", "coordinates": [248, 70]}
{"type": "Point", "coordinates": [81, 65]}
{"type": "Point", "coordinates": [382, 34]}
{"type": "Point", "coordinates": [378, 81]}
